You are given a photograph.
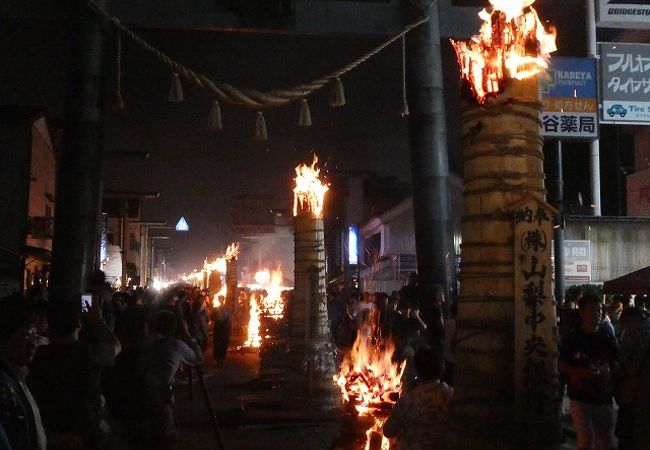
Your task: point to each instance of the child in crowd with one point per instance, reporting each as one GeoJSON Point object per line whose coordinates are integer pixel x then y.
{"type": "Point", "coordinates": [419, 418]}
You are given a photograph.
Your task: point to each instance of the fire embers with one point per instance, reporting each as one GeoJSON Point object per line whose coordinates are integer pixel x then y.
{"type": "Point", "coordinates": [370, 382]}
{"type": "Point", "coordinates": [512, 43]}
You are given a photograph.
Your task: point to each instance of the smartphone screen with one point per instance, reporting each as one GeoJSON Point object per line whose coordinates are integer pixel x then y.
{"type": "Point", "coordinates": [86, 302]}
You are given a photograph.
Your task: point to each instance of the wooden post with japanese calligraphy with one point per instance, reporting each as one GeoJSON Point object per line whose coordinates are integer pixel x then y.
{"type": "Point", "coordinates": [536, 382]}
{"type": "Point", "coordinates": [503, 161]}
{"type": "Point", "coordinates": [503, 166]}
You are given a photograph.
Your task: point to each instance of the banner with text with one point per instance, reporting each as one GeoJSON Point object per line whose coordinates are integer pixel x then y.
{"type": "Point", "coordinates": [625, 82]}
{"type": "Point", "coordinates": [570, 97]}
{"type": "Point", "coordinates": [577, 261]}
{"type": "Point", "coordinates": [631, 14]}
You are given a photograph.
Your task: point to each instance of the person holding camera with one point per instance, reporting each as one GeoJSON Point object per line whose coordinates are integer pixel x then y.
{"type": "Point", "coordinates": [66, 374]}
{"type": "Point", "coordinates": [162, 357]}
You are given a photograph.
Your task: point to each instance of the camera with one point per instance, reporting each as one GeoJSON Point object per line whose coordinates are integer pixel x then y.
{"type": "Point", "coordinates": [86, 302]}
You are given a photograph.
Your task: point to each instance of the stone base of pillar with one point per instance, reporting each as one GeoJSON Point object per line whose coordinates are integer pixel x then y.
{"type": "Point", "coordinates": [309, 377]}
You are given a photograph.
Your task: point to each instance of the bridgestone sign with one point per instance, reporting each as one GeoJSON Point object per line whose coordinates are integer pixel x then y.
{"type": "Point", "coordinates": [632, 14]}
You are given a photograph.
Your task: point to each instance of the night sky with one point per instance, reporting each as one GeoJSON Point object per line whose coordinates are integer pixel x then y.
{"type": "Point", "coordinates": [199, 173]}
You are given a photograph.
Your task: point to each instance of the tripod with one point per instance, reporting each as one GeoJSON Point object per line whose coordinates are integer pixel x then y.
{"type": "Point", "coordinates": [206, 395]}
{"type": "Point", "coordinates": [208, 404]}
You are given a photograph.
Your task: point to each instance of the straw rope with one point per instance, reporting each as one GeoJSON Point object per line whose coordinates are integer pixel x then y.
{"type": "Point", "coordinates": [250, 98]}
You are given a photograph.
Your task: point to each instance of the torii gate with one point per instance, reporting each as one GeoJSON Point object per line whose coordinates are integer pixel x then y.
{"type": "Point", "coordinates": [80, 162]}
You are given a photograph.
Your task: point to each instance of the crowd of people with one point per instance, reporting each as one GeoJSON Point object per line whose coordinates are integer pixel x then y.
{"type": "Point", "coordinates": [76, 373]}
{"type": "Point", "coordinates": [604, 362]}
{"type": "Point", "coordinates": [419, 325]}
{"type": "Point", "coordinates": [85, 372]}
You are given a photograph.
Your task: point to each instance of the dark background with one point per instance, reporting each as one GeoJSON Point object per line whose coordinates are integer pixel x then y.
{"type": "Point", "coordinates": [199, 173]}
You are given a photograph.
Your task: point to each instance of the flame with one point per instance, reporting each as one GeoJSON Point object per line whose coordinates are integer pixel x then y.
{"type": "Point", "coordinates": [309, 193]}
{"type": "Point", "coordinates": [368, 377]}
{"type": "Point", "coordinates": [512, 43]}
{"type": "Point", "coordinates": [254, 340]}
{"type": "Point", "coordinates": [194, 277]}
{"type": "Point", "coordinates": [222, 292]}
{"type": "Point", "coordinates": [232, 252]}
{"type": "Point", "coordinates": [218, 265]}
{"type": "Point", "coordinates": [270, 281]}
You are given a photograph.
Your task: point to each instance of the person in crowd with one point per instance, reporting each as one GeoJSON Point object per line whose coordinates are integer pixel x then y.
{"type": "Point", "coordinates": [411, 329]}
{"type": "Point", "coordinates": [634, 389]}
{"type": "Point", "coordinates": [162, 357]}
{"type": "Point", "coordinates": [391, 317]}
{"type": "Point", "coordinates": [199, 318]}
{"type": "Point", "coordinates": [20, 420]}
{"type": "Point", "coordinates": [66, 374]}
{"type": "Point", "coordinates": [122, 384]}
{"type": "Point", "coordinates": [586, 359]}
{"type": "Point", "coordinates": [39, 308]}
{"type": "Point", "coordinates": [103, 291]}
{"type": "Point", "coordinates": [221, 325]}
{"type": "Point", "coordinates": [37, 294]}
{"type": "Point", "coordinates": [434, 313]}
{"type": "Point", "coordinates": [611, 317]}
{"type": "Point", "coordinates": [410, 294]}
{"type": "Point", "coordinates": [335, 305]}
{"type": "Point", "coordinates": [131, 324]}
{"type": "Point", "coordinates": [419, 419]}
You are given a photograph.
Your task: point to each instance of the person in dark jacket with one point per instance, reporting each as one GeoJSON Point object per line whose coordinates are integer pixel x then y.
{"type": "Point", "coordinates": [220, 332]}
{"type": "Point", "coordinates": [20, 419]}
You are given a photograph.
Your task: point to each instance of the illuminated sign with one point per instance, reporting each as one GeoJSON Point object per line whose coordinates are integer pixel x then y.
{"type": "Point", "coordinates": [353, 245]}
{"type": "Point", "coordinates": [570, 98]}
{"type": "Point", "coordinates": [625, 82]}
{"type": "Point", "coordinates": [182, 225]}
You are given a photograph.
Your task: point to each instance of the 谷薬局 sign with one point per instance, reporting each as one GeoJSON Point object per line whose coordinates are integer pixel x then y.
{"type": "Point", "coordinates": [570, 97]}
{"type": "Point", "coordinates": [632, 14]}
{"type": "Point", "coordinates": [625, 82]}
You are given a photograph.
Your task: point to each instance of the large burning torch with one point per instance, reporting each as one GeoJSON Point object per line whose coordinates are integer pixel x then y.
{"type": "Point", "coordinates": [311, 359]}
{"type": "Point", "coordinates": [231, 255]}
{"type": "Point", "coordinates": [506, 393]}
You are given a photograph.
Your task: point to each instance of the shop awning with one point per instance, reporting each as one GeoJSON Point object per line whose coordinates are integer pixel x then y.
{"type": "Point", "coordinates": [637, 282]}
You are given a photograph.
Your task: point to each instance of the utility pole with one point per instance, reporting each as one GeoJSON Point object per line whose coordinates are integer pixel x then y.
{"type": "Point", "coordinates": [78, 184]}
{"type": "Point", "coordinates": [558, 232]}
{"type": "Point", "coordinates": [428, 144]}
{"type": "Point", "coordinates": [594, 146]}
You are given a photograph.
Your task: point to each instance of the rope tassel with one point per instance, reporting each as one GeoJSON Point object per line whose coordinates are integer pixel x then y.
{"type": "Point", "coordinates": [260, 127]}
{"type": "Point", "coordinates": [118, 102]}
{"type": "Point", "coordinates": [214, 119]}
{"type": "Point", "coordinates": [304, 115]}
{"type": "Point", "coordinates": [337, 95]}
{"type": "Point", "coordinates": [176, 89]}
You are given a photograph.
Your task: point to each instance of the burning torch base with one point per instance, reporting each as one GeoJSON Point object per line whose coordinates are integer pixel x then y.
{"type": "Point", "coordinates": [309, 380]}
